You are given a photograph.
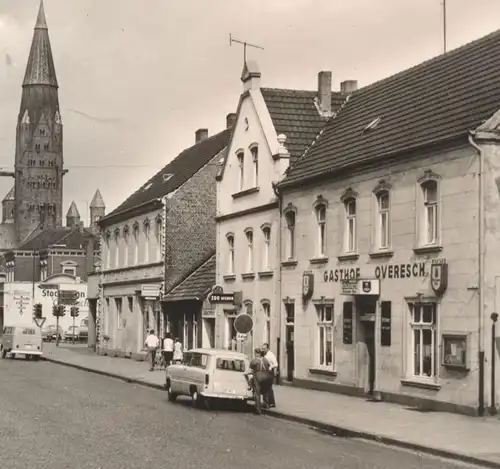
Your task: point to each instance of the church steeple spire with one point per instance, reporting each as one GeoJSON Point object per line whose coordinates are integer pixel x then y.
{"type": "Point", "coordinates": [40, 69]}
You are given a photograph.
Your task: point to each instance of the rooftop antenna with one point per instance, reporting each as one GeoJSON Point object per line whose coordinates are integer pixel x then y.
{"type": "Point", "coordinates": [444, 26]}
{"type": "Point", "coordinates": [245, 44]}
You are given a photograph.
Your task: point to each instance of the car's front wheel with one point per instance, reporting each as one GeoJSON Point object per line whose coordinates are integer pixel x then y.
{"type": "Point", "coordinates": [171, 396]}
{"type": "Point", "coordinates": [197, 399]}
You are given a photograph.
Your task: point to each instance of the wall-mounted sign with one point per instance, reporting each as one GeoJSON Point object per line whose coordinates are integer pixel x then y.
{"type": "Point", "coordinates": [151, 290]}
{"type": "Point", "coordinates": [307, 285]}
{"type": "Point", "coordinates": [208, 313]}
{"type": "Point", "coordinates": [347, 323]}
{"type": "Point", "coordinates": [221, 298]}
{"type": "Point", "coordinates": [439, 277]}
{"type": "Point", "coordinates": [243, 324]}
{"type": "Point", "coordinates": [357, 287]}
{"type": "Point", "coordinates": [386, 271]}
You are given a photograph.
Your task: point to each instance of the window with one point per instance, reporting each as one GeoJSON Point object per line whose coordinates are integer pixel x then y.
{"type": "Point", "coordinates": [118, 304]}
{"type": "Point", "coordinates": [383, 220]}
{"type": "Point", "coordinates": [241, 166]}
{"type": "Point", "coordinates": [266, 309]}
{"type": "Point", "coordinates": [42, 131]}
{"type": "Point", "coordinates": [158, 226]}
{"type": "Point", "coordinates": [266, 255]}
{"type": "Point", "coordinates": [321, 219]}
{"type": "Point", "coordinates": [136, 244]}
{"type": "Point", "coordinates": [108, 251]}
{"type": "Point", "coordinates": [325, 336]}
{"type": "Point", "coordinates": [199, 360]}
{"type": "Point", "coordinates": [290, 235]}
{"type": "Point", "coordinates": [255, 159]}
{"type": "Point", "coordinates": [230, 364]}
{"type": "Point", "coordinates": [430, 215]}
{"type": "Point", "coordinates": [424, 339]}
{"type": "Point", "coordinates": [46, 146]}
{"type": "Point", "coordinates": [37, 147]}
{"type": "Point", "coordinates": [350, 228]}
{"type": "Point", "coordinates": [69, 271]}
{"type": "Point", "coordinates": [130, 303]}
{"type": "Point", "coordinates": [117, 249]}
{"type": "Point", "coordinates": [230, 246]}
{"type": "Point", "coordinates": [125, 246]}
{"type": "Point", "coordinates": [146, 241]}
{"type": "Point", "coordinates": [249, 235]}
{"type": "Point", "coordinates": [43, 272]}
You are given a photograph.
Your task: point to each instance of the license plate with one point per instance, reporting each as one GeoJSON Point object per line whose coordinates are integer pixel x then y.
{"type": "Point", "coordinates": [28, 346]}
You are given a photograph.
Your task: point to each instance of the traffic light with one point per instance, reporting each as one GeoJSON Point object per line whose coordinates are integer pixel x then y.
{"type": "Point", "coordinates": [75, 311]}
{"type": "Point", "coordinates": [37, 310]}
{"type": "Point", "coordinates": [58, 310]}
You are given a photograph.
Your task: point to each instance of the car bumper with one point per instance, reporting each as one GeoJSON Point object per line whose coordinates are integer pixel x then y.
{"type": "Point", "coordinates": [226, 395]}
{"type": "Point", "coordinates": [27, 352]}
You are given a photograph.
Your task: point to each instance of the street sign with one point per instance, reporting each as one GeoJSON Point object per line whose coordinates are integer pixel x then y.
{"type": "Point", "coordinates": [221, 297]}
{"type": "Point", "coordinates": [243, 323]}
{"type": "Point", "coordinates": [48, 286]}
{"type": "Point", "coordinates": [39, 321]}
{"type": "Point", "coordinates": [68, 297]}
{"type": "Point", "coordinates": [241, 337]}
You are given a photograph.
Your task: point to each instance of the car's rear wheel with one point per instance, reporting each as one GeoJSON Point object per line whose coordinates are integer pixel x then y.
{"type": "Point", "coordinates": [4, 353]}
{"type": "Point", "coordinates": [197, 400]}
{"type": "Point", "coordinates": [12, 355]}
{"type": "Point", "coordinates": [171, 396]}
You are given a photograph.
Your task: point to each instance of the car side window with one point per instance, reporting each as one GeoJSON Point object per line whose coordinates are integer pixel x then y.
{"type": "Point", "coordinates": [186, 359]}
{"type": "Point", "coordinates": [199, 360]}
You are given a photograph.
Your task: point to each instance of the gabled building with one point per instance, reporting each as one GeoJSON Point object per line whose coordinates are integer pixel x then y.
{"type": "Point", "coordinates": [152, 242]}
{"type": "Point", "coordinates": [273, 128]}
{"type": "Point", "coordinates": [395, 209]}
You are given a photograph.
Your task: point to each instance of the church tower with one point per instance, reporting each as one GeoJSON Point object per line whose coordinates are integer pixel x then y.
{"type": "Point", "coordinates": [39, 141]}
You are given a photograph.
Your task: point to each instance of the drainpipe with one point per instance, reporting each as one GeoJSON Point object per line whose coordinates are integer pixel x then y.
{"type": "Point", "coordinates": [480, 273]}
{"type": "Point", "coordinates": [278, 274]}
{"type": "Point", "coordinates": [163, 256]}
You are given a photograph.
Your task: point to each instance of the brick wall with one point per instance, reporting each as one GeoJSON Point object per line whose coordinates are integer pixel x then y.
{"type": "Point", "coordinates": [24, 269]}
{"type": "Point", "coordinates": [190, 227]}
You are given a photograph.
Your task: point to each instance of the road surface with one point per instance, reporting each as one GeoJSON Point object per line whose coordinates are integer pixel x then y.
{"type": "Point", "coordinates": [56, 417]}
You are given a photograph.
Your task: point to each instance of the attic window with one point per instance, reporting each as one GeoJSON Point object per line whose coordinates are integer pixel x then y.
{"type": "Point", "coordinates": [372, 124]}
{"type": "Point", "coordinates": [167, 177]}
{"type": "Point", "coordinates": [147, 186]}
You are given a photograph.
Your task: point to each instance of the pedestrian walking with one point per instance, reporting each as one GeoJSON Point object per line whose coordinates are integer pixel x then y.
{"type": "Point", "coordinates": [168, 349]}
{"type": "Point", "coordinates": [178, 355]}
{"type": "Point", "coordinates": [259, 379]}
{"type": "Point", "coordinates": [152, 342]}
{"type": "Point", "coordinates": [273, 371]}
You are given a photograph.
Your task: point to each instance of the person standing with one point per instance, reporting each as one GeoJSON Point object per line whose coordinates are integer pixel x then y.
{"type": "Point", "coordinates": [178, 355]}
{"type": "Point", "coordinates": [152, 342]}
{"type": "Point", "coordinates": [168, 349]}
{"type": "Point", "coordinates": [273, 371]}
{"type": "Point", "coordinates": [259, 379]}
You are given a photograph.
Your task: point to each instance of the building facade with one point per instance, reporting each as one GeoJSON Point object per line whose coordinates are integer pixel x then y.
{"type": "Point", "coordinates": [155, 239]}
{"type": "Point", "coordinates": [264, 141]}
{"type": "Point", "coordinates": [393, 218]}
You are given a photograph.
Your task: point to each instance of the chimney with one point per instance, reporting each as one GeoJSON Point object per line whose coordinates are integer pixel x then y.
{"type": "Point", "coordinates": [230, 120]}
{"type": "Point", "coordinates": [201, 134]}
{"type": "Point", "coordinates": [348, 86]}
{"type": "Point", "coordinates": [325, 91]}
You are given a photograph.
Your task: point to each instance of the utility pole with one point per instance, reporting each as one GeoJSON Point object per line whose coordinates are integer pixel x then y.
{"type": "Point", "coordinates": [245, 45]}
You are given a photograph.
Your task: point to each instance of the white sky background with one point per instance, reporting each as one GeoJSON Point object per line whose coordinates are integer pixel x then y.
{"type": "Point", "coordinates": [144, 75]}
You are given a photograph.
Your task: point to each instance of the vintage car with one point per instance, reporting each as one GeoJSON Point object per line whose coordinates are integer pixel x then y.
{"type": "Point", "coordinates": [209, 374]}
{"type": "Point", "coordinates": [22, 340]}
{"type": "Point", "coordinates": [50, 333]}
{"type": "Point", "coordinates": [72, 334]}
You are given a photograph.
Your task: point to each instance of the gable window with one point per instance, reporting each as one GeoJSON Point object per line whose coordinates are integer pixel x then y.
{"type": "Point", "coordinates": [249, 236]}
{"type": "Point", "coordinates": [69, 270]}
{"type": "Point", "coordinates": [290, 234]}
{"type": "Point", "coordinates": [255, 160]}
{"type": "Point", "coordinates": [429, 213]}
{"type": "Point", "coordinates": [136, 244]}
{"type": "Point", "coordinates": [324, 354]}
{"type": "Point", "coordinates": [230, 253]}
{"type": "Point", "coordinates": [383, 220]}
{"type": "Point", "coordinates": [424, 350]}
{"type": "Point", "coordinates": [350, 225]}
{"type": "Point", "coordinates": [146, 241]}
{"type": "Point", "coordinates": [321, 236]}
{"type": "Point", "coordinates": [266, 309]}
{"type": "Point", "coordinates": [126, 241]}
{"type": "Point", "coordinates": [158, 227]}
{"type": "Point", "coordinates": [266, 254]}
{"type": "Point", "coordinates": [241, 168]}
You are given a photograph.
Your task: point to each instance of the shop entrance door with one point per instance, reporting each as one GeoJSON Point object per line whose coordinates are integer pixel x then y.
{"type": "Point", "coordinates": [366, 312]}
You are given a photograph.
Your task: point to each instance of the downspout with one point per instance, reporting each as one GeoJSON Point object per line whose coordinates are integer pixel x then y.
{"type": "Point", "coordinates": [480, 274]}
{"type": "Point", "coordinates": [278, 274]}
{"type": "Point", "coordinates": [163, 257]}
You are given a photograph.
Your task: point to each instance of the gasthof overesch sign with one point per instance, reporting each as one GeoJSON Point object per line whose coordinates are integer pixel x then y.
{"type": "Point", "coordinates": [221, 298]}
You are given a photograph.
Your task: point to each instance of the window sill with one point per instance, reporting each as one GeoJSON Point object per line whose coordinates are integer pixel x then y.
{"type": "Point", "coordinates": [252, 190]}
{"type": "Point", "coordinates": [428, 249]}
{"type": "Point", "coordinates": [463, 368]}
{"type": "Point", "coordinates": [319, 260]}
{"type": "Point", "coordinates": [289, 263]}
{"type": "Point", "coordinates": [266, 273]}
{"type": "Point", "coordinates": [381, 254]}
{"type": "Point", "coordinates": [248, 276]}
{"type": "Point", "coordinates": [323, 372]}
{"type": "Point", "coordinates": [421, 383]}
{"type": "Point", "coordinates": [229, 277]}
{"type": "Point", "coordinates": [353, 256]}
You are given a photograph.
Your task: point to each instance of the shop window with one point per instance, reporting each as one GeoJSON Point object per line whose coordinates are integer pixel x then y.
{"type": "Point", "coordinates": [266, 253]}
{"type": "Point", "coordinates": [325, 351]}
{"type": "Point", "coordinates": [321, 227]}
{"type": "Point", "coordinates": [424, 346]}
{"type": "Point", "coordinates": [230, 253]}
{"type": "Point", "coordinates": [249, 237]}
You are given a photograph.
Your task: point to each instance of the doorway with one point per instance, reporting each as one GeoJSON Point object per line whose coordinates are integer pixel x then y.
{"type": "Point", "coordinates": [290, 351]}
{"type": "Point", "coordinates": [366, 314]}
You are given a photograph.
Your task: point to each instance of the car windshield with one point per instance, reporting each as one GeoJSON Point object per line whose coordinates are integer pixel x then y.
{"type": "Point", "coordinates": [230, 364]}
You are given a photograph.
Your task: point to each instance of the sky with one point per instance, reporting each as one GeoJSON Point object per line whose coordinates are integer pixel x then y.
{"type": "Point", "coordinates": [137, 78]}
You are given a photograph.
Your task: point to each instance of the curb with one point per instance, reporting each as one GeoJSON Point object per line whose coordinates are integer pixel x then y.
{"type": "Point", "coordinates": [330, 429]}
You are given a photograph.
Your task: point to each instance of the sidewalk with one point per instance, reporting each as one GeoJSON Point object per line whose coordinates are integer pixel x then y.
{"type": "Point", "coordinates": [458, 437]}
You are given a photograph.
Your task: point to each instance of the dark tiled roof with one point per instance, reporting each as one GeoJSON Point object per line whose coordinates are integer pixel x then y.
{"type": "Point", "coordinates": [197, 285]}
{"type": "Point", "coordinates": [7, 236]}
{"type": "Point", "coordinates": [437, 100]}
{"type": "Point", "coordinates": [181, 169]}
{"type": "Point", "coordinates": [72, 239]}
{"type": "Point", "coordinates": [294, 114]}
